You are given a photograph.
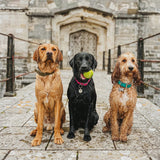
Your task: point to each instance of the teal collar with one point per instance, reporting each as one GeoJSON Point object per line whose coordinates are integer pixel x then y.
{"type": "Point", "coordinates": [125, 85]}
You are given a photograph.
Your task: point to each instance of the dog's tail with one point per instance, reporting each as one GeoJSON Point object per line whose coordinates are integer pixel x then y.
{"type": "Point", "coordinates": [107, 121]}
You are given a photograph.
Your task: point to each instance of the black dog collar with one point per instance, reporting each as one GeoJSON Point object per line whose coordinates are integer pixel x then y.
{"type": "Point", "coordinates": [43, 74]}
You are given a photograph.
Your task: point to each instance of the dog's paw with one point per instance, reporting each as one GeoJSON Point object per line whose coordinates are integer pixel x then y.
{"type": "Point", "coordinates": [123, 138]}
{"type": "Point", "coordinates": [129, 132]}
{"type": "Point", "coordinates": [70, 135]}
{"type": "Point", "coordinates": [115, 137]}
{"type": "Point", "coordinates": [33, 133]}
{"type": "Point", "coordinates": [87, 138]}
{"type": "Point", "coordinates": [105, 129]}
{"type": "Point", "coordinates": [36, 142]}
{"type": "Point", "coordinates": [58, 139]}
{"type": "Point", "coordinates": [61, 131]}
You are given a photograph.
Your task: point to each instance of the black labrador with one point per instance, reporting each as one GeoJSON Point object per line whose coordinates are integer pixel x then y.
{"type": "Point", "coordinates": [82, 96]}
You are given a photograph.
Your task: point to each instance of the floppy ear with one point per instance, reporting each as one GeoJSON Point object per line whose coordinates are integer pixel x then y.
{"type": "Point", "coordinates": [94, 63]}
{"type": "Point", "coordinates": [59, 56]}
{"type": "Point", "coordinates": [116, 73]}
{"type": "Point", "coordinates": [71, 62]}
{"type": "Point", "coordinates": [36, 55]}
{"type": "Point", "coordinates": [137, 77]}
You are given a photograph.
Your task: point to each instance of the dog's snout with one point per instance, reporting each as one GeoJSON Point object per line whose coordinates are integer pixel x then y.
{"type": "Point", "coordinates": [130, 68]}
{"type": "Point", "coordinates": [49, 54]}
{"type": "Point", "coordinates": [84, 67]}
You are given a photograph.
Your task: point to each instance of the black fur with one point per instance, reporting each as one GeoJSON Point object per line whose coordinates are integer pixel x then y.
{"type": "Point", "coordinates": [82, 106]}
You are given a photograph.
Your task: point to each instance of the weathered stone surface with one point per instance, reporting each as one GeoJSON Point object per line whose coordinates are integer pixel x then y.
{"type": "Point", "coordinates": [154, 154]}
{"type": "Point", "coordinates": [33, 154]}
{"type": "Point", "coordinates": [112, 155]}
{"type": "Point", "coordinates": [3, 153]}
{"type": "Point", "coordinates": [19, 138]}
{"type": "Point", "coordinates": [99, 140]}
{"type": "Point", "coordinates": [150, 111]}
{"type": "Point", "coordinates": [143, 142]}
{"type": "Point", "coordinates": [141, 138]}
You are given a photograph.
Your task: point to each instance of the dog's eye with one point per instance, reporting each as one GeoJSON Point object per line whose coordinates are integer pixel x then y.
{"type": "Point", "coordinates": [133, 60]}
{"type": "Point", "coordinates": [80, 58]}
{"type": "Point", "coordinates": [124, 60]}
{"type": "Point", "coordinates": [54, 49]}
{"type": "Point", "coordinates": [43, 49]}
{"type": "Point", "coordinates": [87, 58]}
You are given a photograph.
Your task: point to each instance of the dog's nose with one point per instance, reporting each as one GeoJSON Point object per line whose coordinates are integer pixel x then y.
{"type": "Point", "coordinates": [84, 67]}
{"type": "Point", "coordinates": [49, 54]}
{"type": "Point", "coordinates": [130, 68]}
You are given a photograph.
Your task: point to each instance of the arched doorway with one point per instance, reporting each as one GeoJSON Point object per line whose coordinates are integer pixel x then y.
{"type": "Point", "coordinates": [70, 30]}
{"type": "Point", "coordinates": [83, 41]}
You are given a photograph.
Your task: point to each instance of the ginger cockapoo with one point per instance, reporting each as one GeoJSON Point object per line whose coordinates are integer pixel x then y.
{"type": "Point", "coordinates": [123, 97]}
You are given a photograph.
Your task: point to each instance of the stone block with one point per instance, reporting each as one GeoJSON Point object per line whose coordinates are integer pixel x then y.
{"type": "Point", "coordinates": [154, 154]}
{"type": "Point", "coordinates": [3, 153]}
{"type": "Point", "coordinates": [19, 138]}
{"type": "Point", "coordinates": [36, 154]}
{"type": "Point", "coordinates": [99, 140]}
{"type": "Point", "coordinates": [112, 155]}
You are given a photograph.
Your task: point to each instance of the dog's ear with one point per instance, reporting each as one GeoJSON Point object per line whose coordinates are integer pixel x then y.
{"type": "Point", "coordinates": [36, 55]}
{"type": "Point", "coordinates": [116, 73]}
{"type": "Point", "coordinates": [59, 56]}
{"type": "Point", "coordinates": [137, 77]}
{"type": "Point", "coordinates": [71, 62]}
{"type": "Point", "coordinates": [94, 63]}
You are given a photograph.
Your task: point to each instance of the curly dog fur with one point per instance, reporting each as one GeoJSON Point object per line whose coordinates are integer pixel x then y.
{"type": "Point", "coordinates": [119, 118]}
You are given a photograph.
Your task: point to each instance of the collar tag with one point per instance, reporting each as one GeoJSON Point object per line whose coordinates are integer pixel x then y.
{"type": "Point", "coordinates": [121, 89]}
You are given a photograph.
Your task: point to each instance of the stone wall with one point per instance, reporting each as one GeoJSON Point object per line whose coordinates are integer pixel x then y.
{"type": "Point", "coordinates": [52, 21]}
{"type": "Point", "coordinates": [152, 51]}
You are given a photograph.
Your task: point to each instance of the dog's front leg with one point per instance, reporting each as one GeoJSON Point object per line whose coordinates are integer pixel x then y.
{"type": "Point", "coordinates": [126, 124]}
{"type": "Point", "coordinates": [57, 136]}
{"type": "Point", "coordinates": [72, 129]}
{"type": "Point", "coordinates": [114, 125]}
{"type": "Point", "coordinates": [37, 140]}
{"type": "Point", "coordinates": [87, 136]}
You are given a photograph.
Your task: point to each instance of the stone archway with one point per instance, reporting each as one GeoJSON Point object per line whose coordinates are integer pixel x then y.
{"type": "Point", "coordinates": [83, 41]}
{"type": "Point", "coordinates": [82, 21]}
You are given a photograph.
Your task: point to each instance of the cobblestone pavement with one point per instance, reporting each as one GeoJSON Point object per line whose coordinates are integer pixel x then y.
{"type": "Point", "coordinates": [16, 123]}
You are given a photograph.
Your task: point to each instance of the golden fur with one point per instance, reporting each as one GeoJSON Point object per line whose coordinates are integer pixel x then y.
{"type": "Point", "coordinates": [119, 118]}
{"type": "Point", "coordinates": [49, 107]}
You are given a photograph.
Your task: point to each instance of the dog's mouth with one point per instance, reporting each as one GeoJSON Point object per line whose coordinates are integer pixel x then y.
{"type": "Point", "coordinates": [82, 77]}
{"type": "Point", "coordinates": [49, 59]}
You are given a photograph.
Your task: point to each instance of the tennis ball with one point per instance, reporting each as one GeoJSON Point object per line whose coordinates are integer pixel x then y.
{"type": "Point", "coordinates": [88, 74]}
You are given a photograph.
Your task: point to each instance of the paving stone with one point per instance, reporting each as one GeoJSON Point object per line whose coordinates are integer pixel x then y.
{"type": "Point", "coordinates": [3, 153]}
{"type": "Point", "coordinates": [1, 128]}
{"type": "Point", "coordinates": [144, 141]}
{"type": "Point", "coordinates": [99, 140]}
{"type": "Point", "coordinates": [48, 155]}
{"type": "Point", "coordinates": [154, 154]}
{"type": "Point", "coordinates": [149, 111]}
{"type": "Point", "coordinates": [139, 121]}
{"type": "Point", "coordinates": [112, 155]}
{"type": "Point", "coordinates": [19, 138]}
{"type": "Point", "coordinates": [22, 107]}
{"type": "Point", "coordinates": [31, 122]}
{"type": "Point", "coordinates": [141, 138]}
{"type": "Point", "coordinates": [11, 119]}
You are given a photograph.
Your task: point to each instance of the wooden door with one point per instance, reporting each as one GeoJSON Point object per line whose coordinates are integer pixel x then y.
{"type": "Point", "coordinates": [83, 41]}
